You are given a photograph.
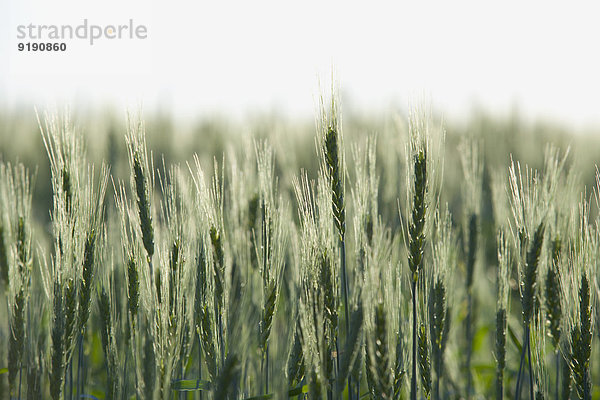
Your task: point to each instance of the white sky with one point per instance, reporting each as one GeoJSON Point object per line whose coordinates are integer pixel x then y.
{"type": "Point", "coordinates": [245, 56]}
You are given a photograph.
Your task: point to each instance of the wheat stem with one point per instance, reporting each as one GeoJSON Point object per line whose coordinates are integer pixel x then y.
{"type": "Point", "coordinates": [531, 395]}
{"type": "Point", "coordinates": [522, 362]}
{"type": "Point", "coordinates": [469, 322]}
{"type": "Point", "coordinates": [413, 378]}
{"type": "Point", "coordinates": [566, 380]}
{"type": "Point", "coordinates": [500, 352]}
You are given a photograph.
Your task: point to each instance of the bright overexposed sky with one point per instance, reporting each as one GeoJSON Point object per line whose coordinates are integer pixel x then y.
{"type": "Point", "coordinates": [239, 57]}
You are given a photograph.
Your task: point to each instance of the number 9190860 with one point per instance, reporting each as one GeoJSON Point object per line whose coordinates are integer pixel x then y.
{"type": "Point", "coordinates": [42, 46]}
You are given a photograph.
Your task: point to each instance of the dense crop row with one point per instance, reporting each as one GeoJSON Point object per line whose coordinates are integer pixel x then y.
{"type": "Point", "coordinates": [246, 279]}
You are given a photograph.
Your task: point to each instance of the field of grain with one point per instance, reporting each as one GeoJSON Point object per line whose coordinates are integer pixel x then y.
{"type": "Point", "coordinates": [386, 257]}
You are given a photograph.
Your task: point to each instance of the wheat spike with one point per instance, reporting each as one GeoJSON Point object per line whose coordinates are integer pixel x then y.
{"type": "Point", "coordinates": [553, 293]}
{"type": "Point", "coordinates": [424, 361]}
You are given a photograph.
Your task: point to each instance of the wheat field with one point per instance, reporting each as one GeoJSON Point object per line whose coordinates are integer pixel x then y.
{"type": "Point", "coordinates": [392, 257]}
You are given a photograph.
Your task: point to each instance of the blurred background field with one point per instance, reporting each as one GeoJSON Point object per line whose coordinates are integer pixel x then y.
{"type": "Point", "coordinates": [176, 140]}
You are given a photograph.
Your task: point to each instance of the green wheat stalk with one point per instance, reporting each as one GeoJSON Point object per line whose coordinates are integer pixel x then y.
{"type": "Point", "coordinates": [416, 233]}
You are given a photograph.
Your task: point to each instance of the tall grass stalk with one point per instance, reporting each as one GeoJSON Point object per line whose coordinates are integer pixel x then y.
{"type": "Point", "coordinates": [334, 171]}
{"type": "Point", "coordinates": [16, 262]}
{"type": "Point", "coordinates": [416, 237]}
{"type": "Point", "coordinates": [367, 224]}
{"type": "Point", "coordinates": [315, 319]}
{"type": "Point", "coordinates": [273, 241]}
{"type": "Point", "coordinates": [576, 288]}
{"type": "Point", "coordinates": [502, 311]}
{"type": "Point", "coordinates": [553, 306]}
{"type": "Point", "coordinates": [105, 306]}
{"type": "Point", "coordinates": [416, 246]}
{"type": "Point", "coordinates": [472, 165]}
{"type": "Point", "coordinates": [77, 218]}
{"type": "Point", "coordinates": [438, 302]}
{"type": "Point", "coordinates": [531, 194]}
{"type": "Point", "coordinates": [139, 226]}
{"type": "Point", "coordinates": [380, 325]}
